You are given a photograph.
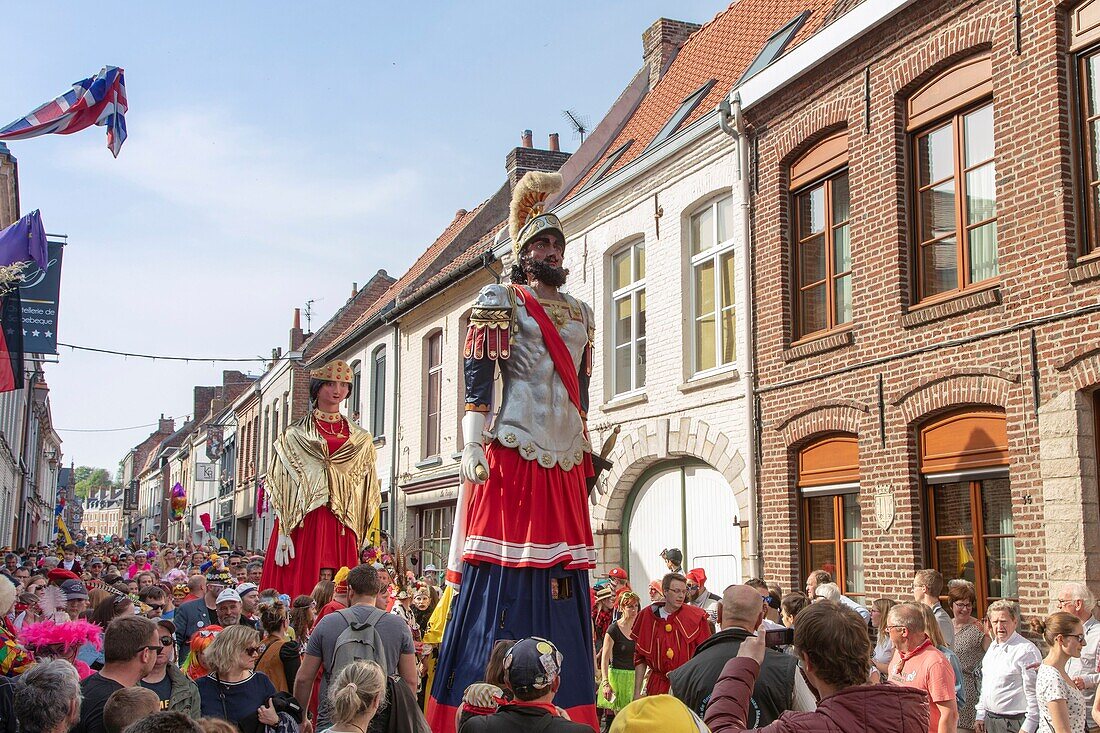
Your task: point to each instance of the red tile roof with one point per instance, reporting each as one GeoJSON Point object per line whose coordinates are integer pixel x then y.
{"type": "Point", "coordinates": [722, 49]}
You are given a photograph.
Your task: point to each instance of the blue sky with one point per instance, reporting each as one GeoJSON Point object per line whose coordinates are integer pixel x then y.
{"type": "Point", "coordinates": [276, 156]}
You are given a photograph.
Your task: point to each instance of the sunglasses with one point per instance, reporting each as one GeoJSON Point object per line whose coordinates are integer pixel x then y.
{"type": "Point", "coordinates": [155, 607]}
{"type": "Point", "coordinates": [1079, 637]}
{"type": "Point", "coordinates": [156, 648]}
{"type": "Point", "coordinates": [166, 641]}
{"type": "Point", "coordinates": [252, 650]}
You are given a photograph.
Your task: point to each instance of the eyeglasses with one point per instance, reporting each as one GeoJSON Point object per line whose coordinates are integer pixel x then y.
{"type": "Point", "coordinates": [1061, 602]}
{"type": "Point", "coordinates": [1079, 637]}
{"type": "Point", "coordinates": [892, 628]}
{"type": "Point", "coordinates": [251, 650]}
{"type": "Point", "coordinates": [166, 641]}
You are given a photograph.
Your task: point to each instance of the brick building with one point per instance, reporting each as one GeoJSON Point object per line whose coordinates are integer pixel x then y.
{"type": "Point", "coordinates": [926, 289]}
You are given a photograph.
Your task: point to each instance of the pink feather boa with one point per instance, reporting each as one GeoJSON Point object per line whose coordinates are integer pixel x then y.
{"type": "Point", "coordinates": [72, 635]}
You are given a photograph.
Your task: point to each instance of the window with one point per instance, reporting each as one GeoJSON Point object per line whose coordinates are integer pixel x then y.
{"type": "Point", "coordinates": [710, 232]}
{"type": "Point", "coordinates": [609, 162]}
{"type": "Point", "coordinates": [378, 393]}
{"type": "Point", "coordinates": [964, 468]}
{"type": "Point", "coordinates": [628, 308]}
{"type": "Point", "coordinates": [435, 534]}
{"type": "Point", "coordinates": [832, 535]}
{"type": "Point", "coordinates": [822, 257]}
{"type": "Point", "coordinates": [356, 387]}
{"type": "Point", "coordinates": [1085, 35]}
{"type": "Point", "coordinates": [774, 46]}
{"type": "Point", "coordinates": [681, 114]}
{"type": "Point", "coordinates": [434, 396]}
{"type": "Point", "coordinates": [951, 122]}
{"type": "Point", "coordinates": [286, 409]}
{"type": "Point", "coordinates": [266, 441]}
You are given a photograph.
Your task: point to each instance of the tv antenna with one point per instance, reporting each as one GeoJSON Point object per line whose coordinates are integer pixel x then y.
{"type": "Point", "coordinates": [309, 313]}
{"type": "Point", "coordinates": [579, 123]}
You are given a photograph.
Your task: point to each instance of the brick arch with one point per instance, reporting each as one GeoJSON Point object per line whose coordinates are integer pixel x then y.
{"type": "Point", "coordinates": [1080, 371]}
{"type": "Point", "coordinates": [838, 416]}
{"type": "Point", "coordinates": [922, 61]}
{"type": "Point", "coordinates": [954, 388]}
{"type": "Point", "coordinates": [645, 447]}
{"type": "Point", "coordinates": [812, 126]}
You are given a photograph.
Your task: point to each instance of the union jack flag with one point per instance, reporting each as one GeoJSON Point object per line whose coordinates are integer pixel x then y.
{"type": "Point", "coordinates": [98, 100]}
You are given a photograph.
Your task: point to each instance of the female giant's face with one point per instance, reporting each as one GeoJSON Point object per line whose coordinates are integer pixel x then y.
{"type": "Point", "coordinates": [332, 393]}
{"type": "Point", "coordinates": [422, 601]}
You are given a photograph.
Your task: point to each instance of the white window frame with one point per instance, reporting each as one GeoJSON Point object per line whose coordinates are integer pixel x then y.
{"type": "Point", "coordinates": [632, 291]}
{"type": "Point", "coordinates": [715, 255]}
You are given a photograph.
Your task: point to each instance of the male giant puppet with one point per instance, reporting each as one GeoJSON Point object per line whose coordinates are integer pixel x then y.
{"type": "Point", "coordinates": [322, 488]}
{"type": "Point", "coordinates": [522, 547]}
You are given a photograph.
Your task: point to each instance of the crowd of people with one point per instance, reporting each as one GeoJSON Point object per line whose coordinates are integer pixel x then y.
{"type": "Point", "coordinates": [103, 638]}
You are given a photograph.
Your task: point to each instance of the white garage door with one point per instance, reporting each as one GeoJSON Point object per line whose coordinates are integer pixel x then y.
{"type": "Point", "coordinates": [689, 507]}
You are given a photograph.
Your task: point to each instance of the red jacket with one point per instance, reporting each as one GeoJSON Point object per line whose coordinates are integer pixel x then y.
{"type": "Point", "coordinates": [870, 708]}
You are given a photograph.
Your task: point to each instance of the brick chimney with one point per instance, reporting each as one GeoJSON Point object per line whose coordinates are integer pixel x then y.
{"type": "Point", "coordinates": [527, 158]}
{"type": "Point", "coordinates": [9, 187]}
{"type": "Point", "coordinates": [660, 44]}
{"type": "Point", "coordinates": [296, 335]}
{"type": "Point", "coordinates": [166, 425]}
{"type": "Point", "coordinates": [201, 406]}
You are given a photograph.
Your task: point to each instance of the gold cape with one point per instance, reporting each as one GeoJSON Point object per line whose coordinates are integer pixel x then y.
{"type": "Point", "coordinates": [303, 477]}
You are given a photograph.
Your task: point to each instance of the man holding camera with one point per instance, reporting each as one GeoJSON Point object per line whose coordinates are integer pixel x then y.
{"type": "Point", "coordinates": [833, 648]}
{"type": "Point", "coordinates": [779, 687]}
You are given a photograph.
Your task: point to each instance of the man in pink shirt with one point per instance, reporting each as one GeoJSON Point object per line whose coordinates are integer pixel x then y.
{"type": "Point", "coordinates": [917, 663]}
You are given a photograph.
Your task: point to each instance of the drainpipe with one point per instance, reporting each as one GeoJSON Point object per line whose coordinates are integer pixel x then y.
{"type": "Point", "coordinates": [732, 122]}
{"type": "Point", "coordinates": [394, 455]}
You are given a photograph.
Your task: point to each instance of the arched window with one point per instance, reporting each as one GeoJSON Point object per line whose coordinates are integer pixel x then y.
{"type": "Point", "coordinates": [628, 318]}
{"type": "Point", "coordinates": [354, 404]}
{"type": "Point", "coordinates": [822, 249]}
{"type": "Point", "coordinates": [710, 248]}
{"type": "Point", "coordinates": [433, 392]}
{"type": "Point", "coordinates": [1085, 47]}
{"type": "Point", "coordinates": [950, 121]}
{"type": "Point", "coordinates": [832, 535]}
{"type": "Point", "coordinates": [964, 468]}
{"type": "Point", "coordinates": [378, 392]}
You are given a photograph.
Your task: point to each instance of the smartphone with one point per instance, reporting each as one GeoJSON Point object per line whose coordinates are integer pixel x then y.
{"type": "Point", "coordinates": [778, 637]}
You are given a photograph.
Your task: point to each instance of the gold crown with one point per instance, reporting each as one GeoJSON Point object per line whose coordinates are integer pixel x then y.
{"type": "Point", "coordinates": [334, 371]}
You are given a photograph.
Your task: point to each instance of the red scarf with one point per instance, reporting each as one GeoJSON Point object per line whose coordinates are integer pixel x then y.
{"type": "Point", "coordinates": [547, 706]}
{"type": "Point", "coordinates": [904, 657]}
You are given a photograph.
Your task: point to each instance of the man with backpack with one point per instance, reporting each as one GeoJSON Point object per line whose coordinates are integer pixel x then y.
{"type": "Point", "coordinates": [360, 631]}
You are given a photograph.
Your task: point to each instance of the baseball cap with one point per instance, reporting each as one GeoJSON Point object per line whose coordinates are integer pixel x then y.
{"type": "Point", "coordinates": [617, 574]}
{"type": "Point", "coordinates": [74, 590]}
{"type": "Point", "coordinates": [655, 713]}
{"type": "Point", "coordinates": [532, 663]}
{"type": "Point", "coordinates": [228, 595]}
{"type": "Point", "coordinates": [245, 588]}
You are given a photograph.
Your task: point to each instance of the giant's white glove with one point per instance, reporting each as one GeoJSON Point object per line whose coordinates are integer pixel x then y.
{"type": "Point", "coordinates": [284, 550]}
{"type": "Point", "coordinates": [475, 468]}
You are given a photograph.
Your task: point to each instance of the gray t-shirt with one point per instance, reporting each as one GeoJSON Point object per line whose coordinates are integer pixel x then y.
{"type": "Point", "coordinates": [947, 627]}
{"type": "Point", "coordinates": [394, 632]}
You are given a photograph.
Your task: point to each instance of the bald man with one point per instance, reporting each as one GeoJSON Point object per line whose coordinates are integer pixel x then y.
{"type": "Point", "coordinates": [779, 687]}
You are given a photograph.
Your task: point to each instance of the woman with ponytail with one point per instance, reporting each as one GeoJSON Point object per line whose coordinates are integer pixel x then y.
{"type": "Point", "coordinates": [354, 697]}
{"type": "Point", "coordinates": [1061, 705]}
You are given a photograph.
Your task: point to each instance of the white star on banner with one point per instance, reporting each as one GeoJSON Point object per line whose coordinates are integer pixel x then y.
{"type": "Point", "coordinates": [36, 334]}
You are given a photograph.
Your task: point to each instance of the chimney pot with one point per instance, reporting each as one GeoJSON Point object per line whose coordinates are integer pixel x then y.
{"type": "Point", "coordinates": [461, 213]}
{"type": "Point", "coordinates": [354, 289]}
{"type": "Point", "coordinates": [297, 318]}
{"type": "Point", "coordinates": [525, 139]}
{"type": "Point", "coordinates": [554, 142]}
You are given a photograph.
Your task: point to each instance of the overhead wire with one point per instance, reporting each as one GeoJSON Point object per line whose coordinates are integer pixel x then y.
{"type": "Point", "coordinates": [114, 430]}
{"type": "Point", "coordinates": [156, 357]}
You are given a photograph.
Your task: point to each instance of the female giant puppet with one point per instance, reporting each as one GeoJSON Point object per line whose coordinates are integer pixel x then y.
{"type": "Point", "coordinates": [322, 487]}
{"type": "Point", "coordinates": [522, 547]}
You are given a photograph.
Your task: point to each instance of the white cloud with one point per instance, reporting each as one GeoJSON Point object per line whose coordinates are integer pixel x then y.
{"type": "Point", "coordinates": [249, 182]}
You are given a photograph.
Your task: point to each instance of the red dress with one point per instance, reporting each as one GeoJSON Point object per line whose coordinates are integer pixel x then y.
{"type": "Point", "coordinates": [320, 541]}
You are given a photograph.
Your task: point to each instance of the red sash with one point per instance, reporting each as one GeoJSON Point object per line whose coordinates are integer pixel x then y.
{"type": "Point", "coordinates": [559, 352]}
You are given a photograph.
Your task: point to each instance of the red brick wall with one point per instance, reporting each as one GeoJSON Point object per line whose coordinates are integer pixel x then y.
{"type": "Point", "coordinates": [1036, 243]}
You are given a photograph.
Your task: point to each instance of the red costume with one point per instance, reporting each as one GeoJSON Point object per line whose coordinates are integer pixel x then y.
{"type": "Point", "coordinates": [320, 541]}
{"type": "Point", "coordinates": [666, 643]}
